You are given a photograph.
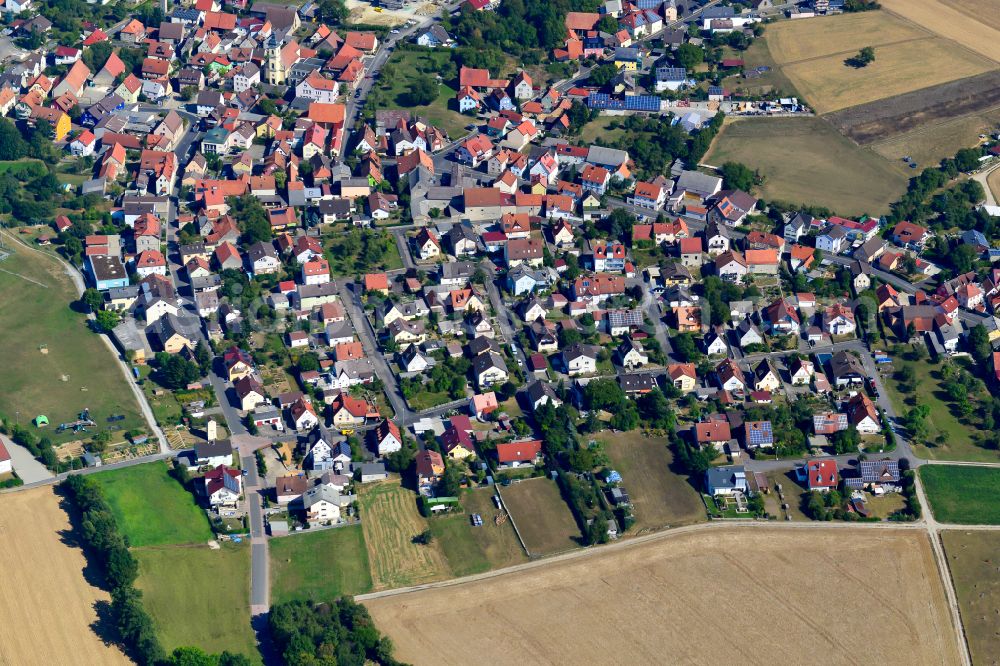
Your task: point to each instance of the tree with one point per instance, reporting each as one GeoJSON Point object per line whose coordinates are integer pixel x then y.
{"type": "Point", "coordinates": [737, 176]}
{"type": "Point", "coordinates": [865, 57]}
{"type": "Point", "coordinates": [93, 299]}
{"type": "Point", "coordinates": [690, 56]}
{"type": "Point", "coordinates": [979, 344]}
{"type": "Point", "coordinates": [967, 159]}
{"type": "Point", "coordinates": [177, 372]}
{"type": "Point", "coordinates": [423, 90]}
{"type": "Point", "coordinates": [252, 218]}
{"type": "Point", "coordinates": [601, 75]}
{"type": "Point", "coordinates": [332, 11]}
{"type": "Point", "coordinates": [107, 320]}
{"type": "Point", "coordinates": [203, 356]}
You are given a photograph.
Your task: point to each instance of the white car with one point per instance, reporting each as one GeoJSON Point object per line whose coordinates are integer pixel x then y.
{"type": "Point", "coordinates": [394, 31]}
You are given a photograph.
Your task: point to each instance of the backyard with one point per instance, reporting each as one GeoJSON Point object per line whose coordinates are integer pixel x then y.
{"type": "Point", "coordinates": [152, 508]}
{"type": "Point", "coordinates": [541, 516]}
{"type": "Point", "coordinates": [199, 596]}
{"type": "Point", "coordinates": [962, 494]}
{"type": "Point", "coordinates": [659, 496]}
{"type": "Point", "coordinates": [60, 367]}
{"type": "Point", "coordinates": [471, 549]}
{"type": "Point", "coordinates": [840, 175]}
{"type": "Point", "coordinates": [409, 64]}
{"type": "Point", "coordinates": [321, 565]}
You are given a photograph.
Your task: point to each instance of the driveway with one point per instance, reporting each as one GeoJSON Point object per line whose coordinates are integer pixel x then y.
{"type": "Point", "coordinates": [27, 468]}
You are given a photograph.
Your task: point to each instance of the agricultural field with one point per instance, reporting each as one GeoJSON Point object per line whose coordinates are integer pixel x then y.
{"type": "Point", "coordinates": [976, 31]}
{"type": "Point", "coordinates": [973, 565]}
{"type": "Point", "coordinates": [60, 367]}
{"type": "Point", "coordinates": [408, 64]}
{"type": "Point", "coordinates": [931, 143]}
{"type": "Point", "coordinates": [659, 496]}
{"type": "Point", "coordinates": [962, 494]}
{"type": "Point", "coordinates": [390, 521]}
{"type": "Point", "coordinates": [828, 84]}
{"type": "Point", "coordinates": [993, 180]}
{"type": "Point", "coordinates": [321, 565]}
{"type": "Point", "coordinates": [662, 613]}
{"type": "Point", "coordinates": [48, 602]}
{"type": "Point", "coordinates": [840, 175]}
{"type": "Point", "coordinates": [541, 516]}
{"type": "Point", "coordinates": [152, 508]}
{"type": "Point", "coordinates": [794, 41]}
{"type": "Point", "coordinates": [472, 550]}
{"type": "Point", "coordinates": [199, 596]}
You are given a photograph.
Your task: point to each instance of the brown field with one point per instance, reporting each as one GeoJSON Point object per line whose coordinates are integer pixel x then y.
{"type": "Point", "coordinates": [929, 144]}
{"type": "Point", "coordinates": [972, 559]}
{"type": "Point", "coordinates": [869, 123]}
{"type": "Point", "coordinates": [390, 520]}
{"type": "Point", "coordinates": [659, 496]}
{"type": "Point", "coordinates": [993, 180]}
{"type": "Point", "coordinates": [721, 595]}
{"type": "Point", "coordinates": [828, 84]}
{"type": "Point", "coordinates": [498, 542]}
{"type": "Point", "coordinates": [792, 41]}
{"type": "Point", "coordinates": [47, 606]}
{"type": "Point", "coordinates": [541, 516]}
{"type": "Point", "coordinates": [953, 24]}
{"type": "Point", "coordinates": [983, 11]}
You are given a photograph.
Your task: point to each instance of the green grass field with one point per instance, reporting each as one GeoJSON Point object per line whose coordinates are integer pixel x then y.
{"type": "Point", "coordinates": [806, 160]}
{"type": "Point", "coordinates": [152, 508]}
{"type": "Point", "coordinates": [75, 371]}
{"type": "Point", "coordinates": [962, 494]}
{"type": "Point", "coordinates": [958, 443]}
{"type": "Point", "coordinates": [406, 65]}
{"type": "Point", "coordinates": [472, 550]}
{"type": "Point", "coordinates": [198, 596]}
{"type": "Point", "coordinates": [320, 566]}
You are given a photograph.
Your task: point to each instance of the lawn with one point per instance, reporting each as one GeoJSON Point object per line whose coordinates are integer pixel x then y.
{"type": "Point", "coordinates": [541, 516]}
{"type": "Point", "coordinates": [472, 550]}
{"type": "Point", "coordinates": [958, 443]}
{"type": "Point", "coordinates": [390, 520]}
{"type": "Point", "coordinates": [60, 367]}
{"type": "Point", "coordinates": [806, 160]}
{"type": "Point", "coordinates": [152, 508]}
{"type": "Point", "coordinates": [410, 63]}
{"type": "Point", "coordinates": [321, 565]}
{"type": "Point", "coordinates": [972, 562]}
{"type": "Point", "coordinates": [599, 130]}
{"type": "Point", "coordinates": [791, 494]}
{"type": "Point", "coordinates": [199, 596]}
{"type": "Point", "coordinates": [660, 497]}
{"type": "Point", "coordinates": [962, 494]}
{"type": "Point", "coordinates": [427, 400]}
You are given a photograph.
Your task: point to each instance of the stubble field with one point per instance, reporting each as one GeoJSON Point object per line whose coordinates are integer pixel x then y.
{"type": "Point", "coordinates": [972, 559]}
{"type": "Point", "coordinates": [976, 30]}
{"type": "Point", "coordinates": [47, 606]}
{"type": "Point", "coordinates": [720, 595]}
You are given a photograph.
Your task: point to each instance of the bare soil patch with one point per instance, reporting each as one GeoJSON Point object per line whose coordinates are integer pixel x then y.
{"type": "Point", "coordinates": [47, 605]}
{"type": "Point", "coordinates": [868, 123]}
{"type": "Point", "coordinates": [804, 597]}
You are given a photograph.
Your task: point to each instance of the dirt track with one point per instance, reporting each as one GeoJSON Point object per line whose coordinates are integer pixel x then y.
{"type": "Point", "coordinates": [46, 606]}
{"type": "Point", "coordinates": [715, 596]}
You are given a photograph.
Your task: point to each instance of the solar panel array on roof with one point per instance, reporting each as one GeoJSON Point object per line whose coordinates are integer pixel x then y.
{"type": "Point", "coordinates": [760, 434]}
{"type": "Point", "coordinates": [628, 103]}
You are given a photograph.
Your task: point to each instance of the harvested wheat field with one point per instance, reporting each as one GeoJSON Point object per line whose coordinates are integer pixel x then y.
{"type": "Point", "coordinates": [951, 23]}
{"type": "Point", "coordinates": [46, 604]}
{"type": "Point", "coordinates": [390, 521]}
{"type": "Point", "coordinates": [710, 595]}
{"type": "Point", "coordinates": [792, 41]}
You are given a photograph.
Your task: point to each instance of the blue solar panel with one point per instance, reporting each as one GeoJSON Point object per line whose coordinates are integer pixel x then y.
{"type": "Point", "coordinates": [761, 434]}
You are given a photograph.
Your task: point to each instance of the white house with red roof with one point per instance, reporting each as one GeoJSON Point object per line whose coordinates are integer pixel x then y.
{"type": "Point", "coordinates": [6, 466]}
{"type": "Point", "coordinates": [820, 475]}
{"type": "Point", "coordinates": [516, 454]}
{"type": "Point", "coordinates": [223, 486]}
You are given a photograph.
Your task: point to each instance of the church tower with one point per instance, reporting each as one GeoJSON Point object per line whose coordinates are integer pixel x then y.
{"type": "Point", "coordinates": [275, 67]}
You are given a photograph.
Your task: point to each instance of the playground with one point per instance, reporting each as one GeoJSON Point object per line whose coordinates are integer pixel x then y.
{"type": "Point", "coordinates": [56, 368]}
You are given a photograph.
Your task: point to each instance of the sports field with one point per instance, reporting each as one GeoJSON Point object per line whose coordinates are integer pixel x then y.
{"type": "Point", "coordinates": [390, 520]}
{"type": "Point", "coordinates": [323, 565]}
{"type": "Point", "coordinates": [962, 494]}
{"type": "Point", "coordinates": [199, 596]}
{"type": "Point", "coordinates": [48, 605]}
{"type": "Point", "coordinates": [54, 364]}
{"type": "Point", "coordinates": [152, 508]}
{"type": "Point", "coordinates": [471, 549]}
{"type": "Point", "coordinates": [673, 600]}
{"type": "Point", "coordinates": [806, 160]}
{"type": "Point", "coordinates": [541, 516]}
{"type": "Point", "coordinates": [659, 496]}
{"type": "Point", "coordinates": [972, 561]}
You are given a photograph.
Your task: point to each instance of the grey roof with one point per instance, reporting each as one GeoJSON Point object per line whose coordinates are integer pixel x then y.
{"type": "Point", "coordinates": [698, 182]}
{"type": "Point", "coordinates": [671, 74]}
{"type": "Point", "coordinates": [602, 156]}
{"type": "Point", "coordinates": [220, 447]}
{"type": "Point", "coordinates": [723, 477]}
{"type": "Point", "coordinates": [484, 362]}
{"type": "Point", "coordinates": [453, 270]}
{"type": "Point", "coordinates": [845, 364]}
{"type": "Point", "coordinates": [637, 382]}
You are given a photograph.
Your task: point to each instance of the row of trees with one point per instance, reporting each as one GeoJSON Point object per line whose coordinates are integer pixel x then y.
{"type": "Point", "coordinates": [340, 632]}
